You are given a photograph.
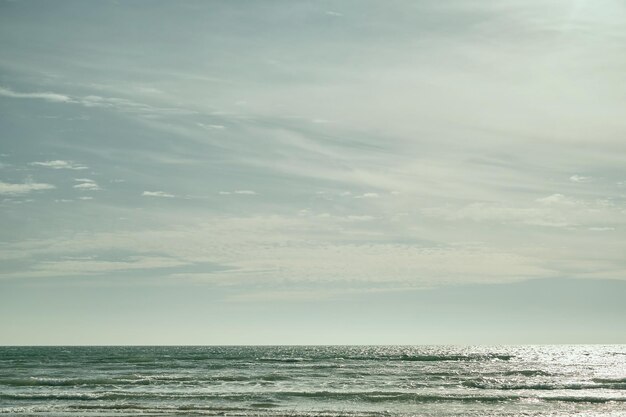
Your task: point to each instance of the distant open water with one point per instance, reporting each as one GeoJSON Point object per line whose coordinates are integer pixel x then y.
{"type": "Point", "coordinates": [314, 381]}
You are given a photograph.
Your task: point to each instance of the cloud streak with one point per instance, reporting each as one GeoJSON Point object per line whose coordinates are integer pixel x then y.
{"type": "Point", "coordinates": [23, 188]}
{"type": "Point", "coordinates": [94, 101]}
{"type": "Point", "coordinates": [161, 194]}
{"type": "Point", "coordinates": [384, 148]}
{"type": "Point", "coordinates": [86, 184]}
{"type": "Point", "coordinates": [240, 192]}
{"type": "Point", "coordinates": [60, 164]}
{"type": "Point", "coordinates": [52, 97]}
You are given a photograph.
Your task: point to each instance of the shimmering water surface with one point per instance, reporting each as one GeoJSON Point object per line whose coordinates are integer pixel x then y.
{"type": "Point", "coordinates": [307, 381]}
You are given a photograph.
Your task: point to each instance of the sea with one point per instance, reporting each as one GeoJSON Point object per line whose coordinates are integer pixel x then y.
{"type": "Point", "coordinates": [433, 381]}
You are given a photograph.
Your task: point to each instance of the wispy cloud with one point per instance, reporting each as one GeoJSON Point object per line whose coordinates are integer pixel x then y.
{"type": "Point", "coordinates": [579, 178]}
{"type": "Point", "coordinates": [421, 161]}
{"type": "Point", "coordinates": [211, 126]}
{"type": "Point", "coordinates": [60, 164]}
{"type": "Point", "coordinates": [82, 267]}
{"type": "Point", "coordinates": [241, 192]}
{"type": "Point", "coordinates": [54, 97]}
{"type": "Point", "coordinates": [368, 195]}
{"type": "Point", "coordinates": [554, 199]}
{"type": "Point", "coordinates": [90, 101]}
{"type": "Point", "coordinates": [275, 248]}
{"type": "Point", "coordinates": [24, 188]}
{"type": "Point", "coordinates": [360, 218]}
{"type": "Point", "coordinates": [554, 210]}
{"type": "Point", "coordinates": [161, 194]}
{"type": "Point", "coordinates": [86, 184]}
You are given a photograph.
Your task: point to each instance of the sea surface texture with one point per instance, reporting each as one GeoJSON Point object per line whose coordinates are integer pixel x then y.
{"type": "Point", "coordinates": [314, 381]}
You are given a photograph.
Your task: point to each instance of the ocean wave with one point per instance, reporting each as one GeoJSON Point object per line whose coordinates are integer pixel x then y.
{"type": "Point", "coordinates": [401, 358]}
{"type": "Point", "coordinates": [365, 396]}
{"type": "Point", "coordinates": [305, 381]}
{"type": "Point", "coordinates": [138, 380]}
{"type": "Point", "coordinates": [390, 396]}
{"type": "Point", "coordinates": [282, 360]}
{"type": "Point", "coordinates": [432, 358]}
{"type": "Point", "coordinates": [545, 386]}
{"type": "Point", "coordinates": [54, 382]}
{"type": "Point", "coordinates": [253, 409]}
{"type": "Point", "coordinates": [527, 372]}
{"type": "Point", "coordinates": [610, 380]}
{"type": "Point", "coordinates": [89, 382]}
{"type": "Point", "coordinates": [277, 397]}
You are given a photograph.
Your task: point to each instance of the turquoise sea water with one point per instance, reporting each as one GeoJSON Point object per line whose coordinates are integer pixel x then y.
{"type": "Point", "coordinates": [314, 381]}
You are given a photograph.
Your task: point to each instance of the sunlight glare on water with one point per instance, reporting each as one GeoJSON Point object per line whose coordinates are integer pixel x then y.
{"type": "Point", "coordinates": [325, 380]}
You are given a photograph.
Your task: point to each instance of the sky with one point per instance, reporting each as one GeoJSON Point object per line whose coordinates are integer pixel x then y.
{"type": "Point", "coordinates": [312, 172]}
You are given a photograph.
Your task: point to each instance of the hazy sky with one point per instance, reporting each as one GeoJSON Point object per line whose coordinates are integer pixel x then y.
{"type": "Point", "coordinates": [223, 172]}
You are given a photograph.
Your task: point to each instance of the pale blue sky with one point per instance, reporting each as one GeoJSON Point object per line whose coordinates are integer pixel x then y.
{"type": "Point", "coordinates": [312, 172]}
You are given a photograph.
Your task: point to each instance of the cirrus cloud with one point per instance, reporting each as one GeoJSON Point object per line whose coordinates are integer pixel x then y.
{"type": "Point", "coordinates": [59, 164]}
{"type": "Point", "coordinates": [54, 97]}
{"type": "Point", "coordinates": [86, 184]}
{"type": "Point", "coordinates": [161, 194]}
{"type": "Point", "coordinates": [23, 188]}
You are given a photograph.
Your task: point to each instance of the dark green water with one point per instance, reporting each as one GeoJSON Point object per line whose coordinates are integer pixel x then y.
{"type": "Point", "coordinates": [308, 381]}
